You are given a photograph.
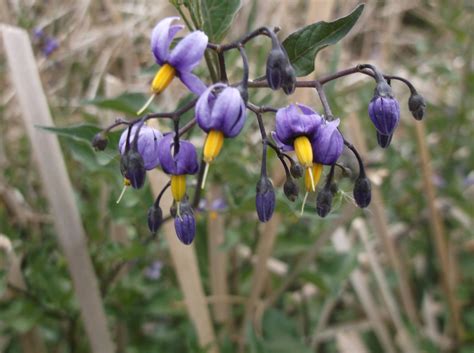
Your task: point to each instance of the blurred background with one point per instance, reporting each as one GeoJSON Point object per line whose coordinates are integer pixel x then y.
{"type": "Point", "coordinates": [397, 277]}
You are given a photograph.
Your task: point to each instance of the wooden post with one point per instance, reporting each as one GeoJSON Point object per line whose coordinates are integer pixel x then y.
{"type": "Point", "coordinates": [57, 186]}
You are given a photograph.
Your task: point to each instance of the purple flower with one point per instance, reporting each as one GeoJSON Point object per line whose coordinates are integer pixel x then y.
{"type": "Point", "coordinates": [221, 108]}
{"type": "Point", "coordinates": [50, 46]}
{"type": "Point", "coordinates": [153, 271]}
{"type": "Point", "coordinates": [184, 57]}
{"type": "Point", "coordinates": [327, 143]}
{"type": "Point", "coordinates": [292, 123]}
{"type": "Point", "coordinates": [184, 162]}
{"type": "Point", "coordinates": [265, 199]}
{"type": "Point", "coordinates": [384, 111]}
{"type": "Point", "coordinates": [147, 144]}
{"type": "Point", "coordinates": [185, 225]}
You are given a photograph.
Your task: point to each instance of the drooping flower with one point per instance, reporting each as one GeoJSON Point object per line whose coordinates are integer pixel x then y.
{"type": "Point", "coordinates": [147, 144]}
{"type": "Point", "coordinates": [296, 126]}
{"type": "Point", "coordinates": [180, 61]}
{"type": "Point", "coordinates": [177, 162]}
{"type": "Point", "coordinates": [384, 110]}
{"type": "Point", "coordinates": [221, 112]}
{"type": "Point", "coordinates": [327, 143]}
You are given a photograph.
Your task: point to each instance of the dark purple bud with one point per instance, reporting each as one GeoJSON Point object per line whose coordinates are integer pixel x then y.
{"type": "Point", "coordinates": [417, 105]}
{"type": "Point", "coordinates": [155, 218]}
{"type": "Point", "coordinates": [328, 143]}
{"type": "Point", "coordinates": [289, 82]}
{"type": "Point", "coordinates": [185, 224]}
{"type": "Point", "coordinates": [324, 202]}
{"type": "Point", "coordinates": [362, 191]}
{"type": "Point", "coordinates": [383, 140]}
{"type": "Point", "coordinates": [279, 71]}
{"type": "Point", "coordinates": [384, 110]}
{"type": "Point", "coordinates": [133, 168]}
{"type": "Point", "coordinates": [265, 200]}
{"type": "Point", "coordinates": [100, 141]}
{"type": "Point", "coordinates": [296, 170]}
{"type": "Point", "coordinates": [291, 190]}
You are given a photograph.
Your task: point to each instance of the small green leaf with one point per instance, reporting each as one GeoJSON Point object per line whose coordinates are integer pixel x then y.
{"type": "Point", "coordinates": [217, 17]}
{"type": "Point", "coordinates": [128, 103]}
{"type": "Point", "coordinates": [303, 45]}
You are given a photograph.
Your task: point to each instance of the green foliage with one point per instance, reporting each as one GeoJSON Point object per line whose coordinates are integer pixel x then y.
{"type": "Point", "coordinates": [303, 45]}
{"type": "Point", "coordinates": [217, 17]}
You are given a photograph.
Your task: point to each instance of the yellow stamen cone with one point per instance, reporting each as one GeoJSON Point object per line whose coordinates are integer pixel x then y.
{"type": "Point", "coordinates": [162, 79]}
{"type": "Point", "coordinates": [312, 176]}
{"type": "Point", "coordinates": [213, 145]}
{"type": "Point", "coordinates": [178, 187]}
{"type": "Point", "coordinates": [304, 152]}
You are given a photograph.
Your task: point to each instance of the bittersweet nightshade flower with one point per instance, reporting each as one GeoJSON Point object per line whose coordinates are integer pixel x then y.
{"type": "Point", "coordinates": [180, 61]}
{"type": "Point", "coordinates": [185, 224]}
{"type": "Point", "coordinates": [147, 144]}
{"type": "Point", "coordinates": [384, 110]}
{"type": "Point", "coordinates": [221, 112]}
{"type": "Point", "coordinates": [311, 179]}
{"type": "Point", "coordinates": [417, 105]}
{"type": "Point", "coordinates": [178, 165]}
{"type": "Point", "coordinates": [265, 199]}
{"type": "Point", "coordinates": [327, 143]}
{"type": "Point", "coordinates": [296, 126]}
{"type": "Point", "coordinates": [279, 71]}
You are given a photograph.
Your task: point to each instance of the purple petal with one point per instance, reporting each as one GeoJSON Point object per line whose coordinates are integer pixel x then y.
{"type": "Point", "coordinates": [161, 38]}
{"type": "Point", "coordinates": [147, 145]}
{"type": "Point", "coordinates": [193, 82]}
{"type": "Point", "coordinates": [291, 123]}
{"type": "Point", "coordinates": [184, 162]}
{"type": "Point", "coordinates": [328, 143]}
{"type": "Point", "coordinates": [306, 110]}
{"type": "Point", "coordinates": [204, 106]}
{"type": "Point", "coordinates": [228, 114]}
{"type": "Point", "coordinates": [281, 145]}
{"type": "Point", "coordinates": [189, 51]}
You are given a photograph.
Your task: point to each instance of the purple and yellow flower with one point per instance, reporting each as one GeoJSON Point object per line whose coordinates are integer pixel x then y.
{"type": "Point", "coordinates": [296, 127]}
{"type": "Point", "coordinates": [220, 111]}
{"type": "Point", "coordinates": [177, 162]}
{"type": "Point", "coordinates": [138, 147]}
{"type": "Point", "coordinates": [180, 61]}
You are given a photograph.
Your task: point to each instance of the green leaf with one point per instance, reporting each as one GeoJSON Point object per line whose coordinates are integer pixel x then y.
{"type": "Point", "coordinates": [303, 45]}
{"type": "Point", "coordinates": [128, 103]}
{"type": "Point", "coordinates": [217, 17]}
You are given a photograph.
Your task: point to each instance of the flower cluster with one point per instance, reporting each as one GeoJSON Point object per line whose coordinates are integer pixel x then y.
{"type": "Point", "coordinates": [220, 111]}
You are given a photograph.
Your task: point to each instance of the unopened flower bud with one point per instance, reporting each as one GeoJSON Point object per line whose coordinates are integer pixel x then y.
{"type": "Point", "coordinates": [384, 110]}
{"type": "Point", "coordinates": [185, 224]}
{"type": "Point", "coordinates": [383, 140]}
{"type": "Point", "coordinates": [279, 72]}
{"type": "Point", "coordinates": [417, 106]}
{"type": "Point", "coordinates": [296, 170]}
{"type": "Point", "coordinates": [100, 141]}
{"type": "Point", "coordinates": [324, 202]}
{"type": "Point", "coordinates": [133, 168]}
{"type": "Point", "coordinates": [265, 200]}
{"type": "Point", "coordinates": [291, 190]}
{"type": "Point", "coordinates": [155, 218]}
{"type": "Point", "coordinates": [362, 191]}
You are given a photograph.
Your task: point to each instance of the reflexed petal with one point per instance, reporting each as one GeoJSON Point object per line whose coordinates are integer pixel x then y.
{"type": "Point", "coordinates": [189, 51]}
{"type": "Point", "coordinates": [184, 162]}
{"type": "Point", "coordinates": [281, 145]}
{"type": "Point", "coordinates": [228, 113]}
{"type": "Point", "coordinates": [291, 123]}
{"type": "Point", "coordinates": [204, 106]}
{"type": "Point", "coordinates": [147, 145]}
{"type": "Point", "coordinates": [162, 36]}
{"type": "Point", "coordinates": [328, 143]}
{"type": "Point", "coordinates": [306, 110]}
{"type": "Point", "coordinates": [193, 82]}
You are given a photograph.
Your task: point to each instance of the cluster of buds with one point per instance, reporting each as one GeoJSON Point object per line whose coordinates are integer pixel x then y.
{"type": "Point", "coordinates": [221, 112]}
